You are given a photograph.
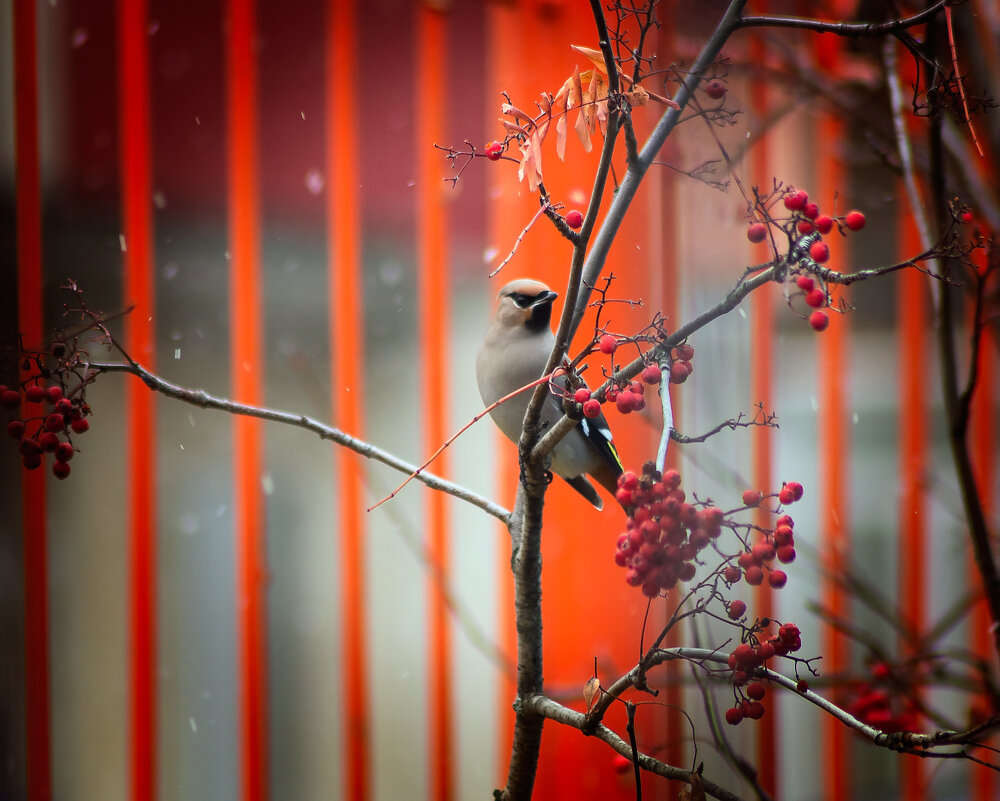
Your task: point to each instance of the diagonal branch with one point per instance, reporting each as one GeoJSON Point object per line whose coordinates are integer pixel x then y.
{"type": "Point", "coordinates": [204, 400]}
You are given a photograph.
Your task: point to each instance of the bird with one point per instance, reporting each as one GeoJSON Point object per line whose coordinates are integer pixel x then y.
{"type": "Point", "coordinates": [514, 353]}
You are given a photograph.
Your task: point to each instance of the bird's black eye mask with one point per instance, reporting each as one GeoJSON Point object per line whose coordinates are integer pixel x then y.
{"type": "Point", "coordinates": [521, 300]}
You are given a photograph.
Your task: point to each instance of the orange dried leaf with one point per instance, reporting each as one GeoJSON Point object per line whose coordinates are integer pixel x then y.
{"type": "Point", "coordinates": [576, 94]}
{"type": "Point", "coordinates": [545, 104]}
{"type": "Point", "coordinates": [583, 129]}
{"type": "Point", "coordinates": [596, 56]}
{"type": "Point", "coordinates": [590, 691]}
{"type": "Point", "coordinates": [637, 97]}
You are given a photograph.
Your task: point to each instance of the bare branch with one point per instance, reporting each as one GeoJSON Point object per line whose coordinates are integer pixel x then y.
{"type": "Point", "coordinates": [204, 400]}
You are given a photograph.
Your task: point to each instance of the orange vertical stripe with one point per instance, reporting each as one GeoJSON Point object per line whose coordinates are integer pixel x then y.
{"type": "Point", "coordinates": [434, 305]}
{"type": "Point", "coordinates": [834, 441]}
{"type": "Point", "coordinates": [913, 457]}
{"type": "Point", "coordinates": [30, 321]}
{"type": "Point", "coordinates": [246, 365]}
{"type": "Point", "coordinates": [761, 377]}
{"type": "Point", "coordinates": [343, 147]}
{"type": "Point", "coordinates": [136, 194]}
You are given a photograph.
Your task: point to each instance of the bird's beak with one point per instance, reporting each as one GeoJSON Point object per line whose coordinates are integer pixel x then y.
{"type": "Point", "coordinates": [545, 297]}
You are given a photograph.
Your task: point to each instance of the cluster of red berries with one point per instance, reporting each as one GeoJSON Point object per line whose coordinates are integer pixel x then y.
{"type": "Point", "coordinates": [630, 397]}
{"type": "Point", "coordinates": [664, 532]}
{"type": "Point", "coordinates": [873, 704]}
{"type": "Point", "coordinates": [750, 655]}
{"type": "Point", "coordinates": [805, 220]}
{"type": "Point", "coordinates": [778, 543]}
{"type": "Point", "coordinates": [50, 430]}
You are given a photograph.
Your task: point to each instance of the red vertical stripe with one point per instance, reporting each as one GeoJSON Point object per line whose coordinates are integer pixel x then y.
{"type": "Point", "coordinates": [136, 197]}
{"type": "Point", "coordinates": [347, 370]}
{"type": "Point", "coordinates": [913, 458]}
{"type": "Point", "coordinates": [29, 313]}
{"type": "Point", "coordinates": [434, 296]}
{"type": "Point", "coordinates": [983, 434]}
{"type": "Point", "coordinates": [247, 382]}
{"type": "Point", "coordinates": [761, 377]}
{"type": "Point", "coordinates": [834, 442]}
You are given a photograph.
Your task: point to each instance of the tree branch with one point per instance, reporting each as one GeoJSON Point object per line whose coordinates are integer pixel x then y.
{"type": "Point", "coordinates": [204, 400]}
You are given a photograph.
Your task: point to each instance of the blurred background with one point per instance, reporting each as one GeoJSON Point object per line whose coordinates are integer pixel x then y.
{"type": "Point", "coordinates": [204, 610]}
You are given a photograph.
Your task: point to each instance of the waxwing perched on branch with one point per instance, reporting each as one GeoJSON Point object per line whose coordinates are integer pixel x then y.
{"type": "Point", "coordinates": [513, 354]}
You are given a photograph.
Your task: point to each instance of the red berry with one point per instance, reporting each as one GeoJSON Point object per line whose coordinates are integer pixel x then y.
{"type": "Point", "coordinates": [854, 220]}
{"type": "Point", "coordinates": [28, 445]}
{"type": "Point", "coordinates": [60, 470]}
{"type": "Point", "coordinates": [756, 690]}
{"type": "Point", "coordinates": [31, 461]}
{"type": "Point", "coordinates": [621, 764]}
{"type": "Point", "coordinates": [716, 89]}
{"type": "Point", "coordinates": [796, 201]}
{"type": "Point", "coordinates": [819, 252]}
{"type": "Point", "coordinates": [763, 552]}
{"type": "Point", "coordinates": [796, 489]}
{"type": "Point", "coordinates": [805, 227]}
{"type": "Point", "coordinates": [608, 344]}
{"type": "Point", "coordinates": [752, 497]}
{"type": "Point", "coordinates": [786, 554]}
{"type": "Point", "coordinates": [736, 610]}
{"type": "Point", "coordinates": [10, 398]}
{"type": "Point", "coordinates": [754, 711]}
{"type": "Point", "coordinates": [816, 298]}
{"type": "Point", "coordinates": [64, 452]}
{"type": "Point", "coordinates": [823, 224]}
{"type": "Point", "coordinates": [679, 371]}
{"type": "Point", "coordinates": [786, 496]}
{"type": "Point", "coordinates": [64, 406]}
{"type": "Point", "coordinates": [53, 393]}
{"type": "Point", "coordinates": [965, 216]}
{"type": "Point", "coordinates": [811, 210]}
{"type": "Point", "coordinates": [819, 321]}
{"type": "Point", "coordinates": [80, 425]}
{"type": "Point", "coordinates": [34, 394]}
{"type": "Point", "coordinates": [805, 283]}
{"type": "Point", "coordinates": [628, 480]}
{"type": "Point", "coordinates": [574, 219]}
{"type": "Point", "coordinates": [651, 374]}
{"type": "Point", "coordinates": [802, 685]}
{"type": "Point", "coordinates": [591, 408]}
{"type": "Point", "coordinates": [15, 429]}
{"type": "Point", "coordinates": [754, 575]}
{"type": "Point", "coordinates": [582, 395]}
{"type": "Point", "coordinates": [757, 232]}
{"type": "Point", "coordinates": [732, 574]}
{"type": "Point", "coordinates": [494, 150]}
{"type": "Point", "coordinates": [48, 442]}
{"type": "Point", "coordinates": [733, 715]}
{"type": "Point", "coordinates": [54, 422]}
{"type": "Point", "coordinates": [624, 401]}
{"type": "Point", "coordinates": [624, 497]}
{"type": "Point", "coordinates": [777, 579]}
{"type": "Point", "coordinates": [684, 352]}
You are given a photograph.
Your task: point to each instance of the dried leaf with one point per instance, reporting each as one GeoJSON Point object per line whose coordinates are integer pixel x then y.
{"type": "Point", "coordinates": [546, 104]}
{"type": "Point", "coordinates": [583, 130]}
{"type": "Point", "coordinates": [596, 56]}
{"type": "Point", "coordinates": [561, 138]}
{"type": "Point", "coordinates": [513, 128]}
{"type": "Point", "coordinates": [637, 97]}
{"type": "Point", "coordinates": [576, 92]}
{"type": "Point", "coordinates": [516, 113]}
{"type": "Point", "coordinates": [590, 691]}
{"type": "Point", "coordinates": [535, 178]}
